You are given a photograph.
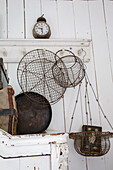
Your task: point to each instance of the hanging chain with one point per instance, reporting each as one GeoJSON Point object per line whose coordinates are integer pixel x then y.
{"type": "Point", "coordinates": [88, 102]}
{"type": "Point", "coordinates": [64, 114]}
{"type": "Point", "coordinates": [81, 106]}
{"type": "Point", "coordinates": [99, 103]}
{"type": "Point", "coordinates": [75, 107]}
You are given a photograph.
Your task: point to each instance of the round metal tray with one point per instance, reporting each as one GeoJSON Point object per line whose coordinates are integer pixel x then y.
{"type": "Point", "coordinates": [32, 117]}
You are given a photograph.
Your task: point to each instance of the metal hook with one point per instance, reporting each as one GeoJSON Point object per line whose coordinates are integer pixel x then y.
{"type": "Point", "coordinates": [84, 55]}
{"type": "Point", "coordinates": [42, 15]}
{"type": "Point", "coordinates": [62, 51]}
{"type": "Point", "coordinates": [80, 51]}
{"type": "Point", "coordinates": [4, 51]}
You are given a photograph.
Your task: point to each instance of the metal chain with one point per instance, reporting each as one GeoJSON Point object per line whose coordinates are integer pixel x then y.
{"type": "Point", "coordinates": [81, 107]}
{"type": "Point", "coordinates": [88, 102]}
{"type": "Point", "coordinates": [98, 102]}
{"type": "Point", "coordinates": [75, 107]}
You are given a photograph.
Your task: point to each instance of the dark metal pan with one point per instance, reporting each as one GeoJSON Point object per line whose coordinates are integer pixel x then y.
{"type": "Point", "coordinates": [33, 117]}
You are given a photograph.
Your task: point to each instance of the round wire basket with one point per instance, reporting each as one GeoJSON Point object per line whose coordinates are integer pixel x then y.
{"type": "Point", "coordinates": [91, 143]}
{"type": "Point", "coordinates": [34, 74]}
{"type": "Point", "coordinates": [68, 70]}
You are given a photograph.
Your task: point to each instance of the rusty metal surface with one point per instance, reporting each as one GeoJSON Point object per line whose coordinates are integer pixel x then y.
{"type": "Point", "coordinates": [102, 139]}
{"type": "Point", "coordinates": [33, 117]}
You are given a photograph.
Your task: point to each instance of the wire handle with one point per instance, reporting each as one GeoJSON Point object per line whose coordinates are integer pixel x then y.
{"type": "Point", "coordinates": [64, 50]}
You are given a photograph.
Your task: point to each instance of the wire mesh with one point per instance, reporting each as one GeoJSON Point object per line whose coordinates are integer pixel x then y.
{"type": "Point", "coordinates": [92, 143]}
{"type": "Point", "coordinates": [34, 74]}
{"type": "Point", "coordinates": [68, 71]}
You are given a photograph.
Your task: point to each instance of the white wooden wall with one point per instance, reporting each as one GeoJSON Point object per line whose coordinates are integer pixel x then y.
{"type": "Point", "coordinates": [84, 19]}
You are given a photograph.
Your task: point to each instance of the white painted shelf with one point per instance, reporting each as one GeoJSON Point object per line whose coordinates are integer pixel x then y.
{"type": "Point", "coordinates": [45, 42]}
{"type": "Point", "coordinates": [12, 50]}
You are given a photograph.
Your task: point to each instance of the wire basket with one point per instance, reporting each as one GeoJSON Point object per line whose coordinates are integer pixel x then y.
{"type": "Point", "coordinates": [34, 74]}
{"type": "Point", "coordinates": [91, 143]}
{"type": "Point", "coordinates": [68, 70]}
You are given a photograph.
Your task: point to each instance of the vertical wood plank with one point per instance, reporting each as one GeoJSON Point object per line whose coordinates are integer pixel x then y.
{"type": "Point", "coordinates": [101, 57]}
{"type": "Point", "coordinates": [83, 30]}
{"type": "Point", "coordinates": [3, 27]}
{"type": "Point", "coordinates": [75, 160]}
{"type": "Point", "coordinates": [49, 9]}
{"type": "Point", "coordinates": [15, 19]}
{"type": "Point", "coordinates": [54, 157]}
{"type": "Point", "coordinates": [103, 73]}
{"type": "Point", "coordinates": [12, 74]}
{"type": "Point", "coordinates": [96, 163]}
{"type": "Point", "coordinates": [108, 12]}
{"type": "Point", "coordinates": [32, 12]}
{"type": "Point", "coordinates": [109, 156]}
{"type": "Point", "coordinates": [65, 19]}
{"type": "Point", "coordinates": [57, 122]}
{"type": "Point", "coordinates": [81, 16]}
{"type": "Point", "coordinates": [35, 163]}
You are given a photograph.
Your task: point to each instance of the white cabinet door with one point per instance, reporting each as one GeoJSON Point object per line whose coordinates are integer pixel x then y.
{"type": "Point", "coordinates": [35, 163]}
{"type": "Point", "coordinates": [9, 164]}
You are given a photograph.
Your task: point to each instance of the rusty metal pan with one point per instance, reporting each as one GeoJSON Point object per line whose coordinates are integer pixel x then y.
{"type": "Point", "coordinates": [33, 117]}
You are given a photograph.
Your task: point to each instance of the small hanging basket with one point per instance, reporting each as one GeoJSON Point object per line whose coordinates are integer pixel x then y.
{"type": "Point", "coordinates": [91, 143]}
{"type": "Point", "coordinates": [68, 70]}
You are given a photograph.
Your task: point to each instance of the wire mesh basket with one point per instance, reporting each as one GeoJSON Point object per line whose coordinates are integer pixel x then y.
{"type": "Point", "coordinates": [34, 74]}
{"type": "Point", "coordinates": [91, 143]}
{"type": "Point", "coordinates": [68, 70]}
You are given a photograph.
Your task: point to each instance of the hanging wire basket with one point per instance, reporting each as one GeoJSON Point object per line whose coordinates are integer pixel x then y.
{"type": "Point", "coordinates": [91, 143]}
{"type": "Point", "coordinates": [68, 70]}
{"type": "Point", "coordinates": [34, 74]}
